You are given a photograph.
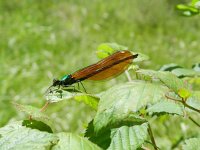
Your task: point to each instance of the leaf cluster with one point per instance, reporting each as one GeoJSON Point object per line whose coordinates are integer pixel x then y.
{"type": "Point", "coordinates": [125, 113]}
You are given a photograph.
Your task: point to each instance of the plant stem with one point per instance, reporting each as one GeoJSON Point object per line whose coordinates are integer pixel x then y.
{"type": "Point", "coordinates": [128, 76]}
{"type": "Point", "coordinates": [174, 99]}
{"type": "Point", "coordinates": [137, 76]}
{"type": "Point", "coordinates": [44, 107]}
{"type": "Point", "coordinates": [30, 117]}
{"type": "Point", "coordinates": [183, 102]}
{"type": "Point", "coordinates": [194, 121]}
{"type": "Point", "coordinates": [152, 137]}
{"type": "Point", "coordinates": [186, 105]}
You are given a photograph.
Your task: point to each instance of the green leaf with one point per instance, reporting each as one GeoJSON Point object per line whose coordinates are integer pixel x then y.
{"type": "Point", "coordinates": [6, 112]}
{"type": "Point", "coordinates": [130, 138]}
{"type": "Point", "coordinates": [184, 93]}
{"type": "Point", "coordinates": [140, 57]}
{"type": "Point", "coordinates": [192, 144]}
{"type": "Point", "coordinates": [195, 3]}
{"type": "Point", "coordinates": [88, 99]}
{"type": "Point", "coordinates": [97, 138]}
{"type": "Point", "coordinates": [34, 124]}
{"type": "Point", "coordinates": [169, 107]}
{"type": "Point", "coordinates": [133, 67]}
{"type": "Point", "coordinates": [147, 75]}
{"type": "Point", "coordinates": [31, 111]}
{"type": "Point", "coordinates": [196, 67]}
{"type": "Point", "coordinates": [169, 67]}
{"type": "Point", "coordinates": [187, 10]}
{"type": "Point", "coordinates": [107, 49]}
{"type": "Point", "coordinates": [196, 94]}
{"type": "Point", "coordinates": [120, 105]}
{"type": "Point", "coordinates": [70, 141]}
{"type": "Point", "coordinates": [34, 113]}
{"type": "Point", "coordinates": [172, 81]}
{"type": "Point", "coordinates": [182, 72]}
{"type": "Point", "coordinates": [194, 81]}
{"type": "Point", "coordinates": [167, 78]}
{"type": "Point", "coordinates": [15, 136]}
{"type": "Point", "coordinates": [194, 99]}
{"type": "Point", "coordinates": [10, 128]}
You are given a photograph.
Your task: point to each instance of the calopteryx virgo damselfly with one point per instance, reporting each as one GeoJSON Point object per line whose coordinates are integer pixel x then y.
{"type": "Point", "coordinates": [108, 67]}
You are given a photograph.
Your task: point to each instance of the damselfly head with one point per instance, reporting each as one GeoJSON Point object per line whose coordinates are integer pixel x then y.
{"type": "Point", "coordinates": [56, 82]}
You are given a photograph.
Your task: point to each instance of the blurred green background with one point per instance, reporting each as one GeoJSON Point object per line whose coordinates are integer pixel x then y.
{"type": "Point", "coordinates": [42, 40]}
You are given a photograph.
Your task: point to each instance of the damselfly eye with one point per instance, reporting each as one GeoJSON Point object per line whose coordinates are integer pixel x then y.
{"type": "Point", "coordinates": [56, 82]}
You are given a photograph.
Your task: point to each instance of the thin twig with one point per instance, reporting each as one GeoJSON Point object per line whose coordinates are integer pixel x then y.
{"type": "Point", "coordinates": [194, 121]}
{"type": "Point", "coordinates": [152, 137]}
{"type": "Point", "coordinates": [128, 76]}
{"type": "Point", "coordinates": [183, 102]}
{"type": "Point", "coordinates": [172, 98]}
{"type": "Point", "coordinates": [44, 107]}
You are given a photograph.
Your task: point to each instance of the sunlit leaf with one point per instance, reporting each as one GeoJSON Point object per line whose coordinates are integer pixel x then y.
{"type": "Point", "coordinates": [196, 67]}
{"type": "Point", "coordinates": [187, 10]}
{"type": "Point", "coordinates": [184, 93]}
{"type": "Point", "coordinates": [107, 49]}
{"type": "Point", "coordinates": [182, 72]}
{"type": "Point", "coordinates": [6, 112]}
{"type": "Point", "coordinates": [196, 94]}
{"type": "Point", "coordinates": [169, 107]}
{"type": "Point", "coordinates": [133, 67]}
{"type": "Point", "coordinates": [21, 138]}
{"type": "Point", "coordinates": [169, 67]}
{"type": "Point", "coordinates": [10, 128]}
{"type": "Point", "coordinates": [195, 3]}
{"type": "Point", "coordinates": [34, 113]}
{"type": "Point", "coordinates": [88, 99]}
{"type": "Point", "coordinates": [70, 141]}
{"type": "Point", "coordinates": [172, 81]}
{"type": "Point", "coordinates": [119, 105]}
{"type": "Point", "coordinates": [194, 81]}
{"type": "Point", "coordinates": [140, 57]}
{"type": "Point", "coordinates": [130, 138]}
{"type": "Point", "coordinates": [192, 144]}
{"type": "Point", "coordinates": [194, 99]}
{"type": "Point", "coordinates": [167, 78]}
{"type": "Point", "coordinates": [147, 75]}
{"type": "Point", "coordinates": [31, 111]}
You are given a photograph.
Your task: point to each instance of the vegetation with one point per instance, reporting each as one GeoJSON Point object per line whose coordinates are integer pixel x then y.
{"type": "Point", "coordinates": [43, 40]}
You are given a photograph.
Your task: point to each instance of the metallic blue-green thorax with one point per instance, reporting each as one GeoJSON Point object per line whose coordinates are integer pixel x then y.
{"type": "Point", "coordinates": [68, 80]}
{"type": "Point", "coordinates": [65, 77]}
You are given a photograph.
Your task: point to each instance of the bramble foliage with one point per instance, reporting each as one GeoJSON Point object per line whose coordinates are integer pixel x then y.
{"type": "Point", "coordinates": [190, 9]}
{"type": "Point", "coordinates": [124, 112]}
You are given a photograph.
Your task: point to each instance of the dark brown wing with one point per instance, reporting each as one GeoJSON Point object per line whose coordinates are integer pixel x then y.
{"type": "Point", "coordinates": [110, 66]}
